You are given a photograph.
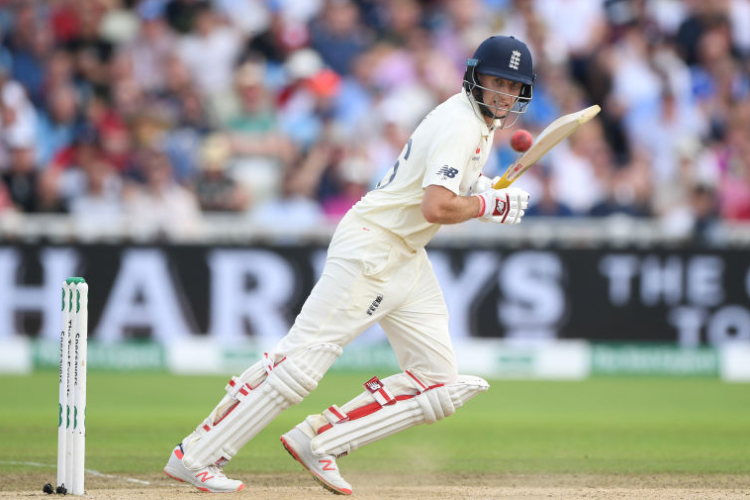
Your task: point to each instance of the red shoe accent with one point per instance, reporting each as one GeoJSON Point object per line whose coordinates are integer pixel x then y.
{"type": "Point", "coordinates": [327, 465]}
{"type": "Point", "coordinates": [178, 453]}
{"type": "Point", "coordinates": [345, 491]}
{"type": "Point", "coordinates": [175, 478]}
{"type": "Point", "coordinates": [205, 475]}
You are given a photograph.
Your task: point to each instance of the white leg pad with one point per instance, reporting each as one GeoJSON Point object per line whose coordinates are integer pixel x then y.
{"type": "Point", "coordinates": [385, 414]}
{"type": "Point", "coordinates": [254, 399]}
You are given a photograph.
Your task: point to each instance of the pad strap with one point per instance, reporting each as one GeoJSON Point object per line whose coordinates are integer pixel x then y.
{"type": "Point", "coordinates": [286, 383]}
{"type": "Point", "coordinates": [334, 415]}
{"type": "Point", "coordinates": [371, 422]}
{"type": "Point", "coordinates": [378, 391]}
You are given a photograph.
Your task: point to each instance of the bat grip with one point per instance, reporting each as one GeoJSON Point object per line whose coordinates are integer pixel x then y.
{"type": "Point", "coordinates": [502, 183]}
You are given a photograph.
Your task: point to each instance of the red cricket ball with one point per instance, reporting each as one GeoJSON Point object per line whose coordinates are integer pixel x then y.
{"type": "Point", "coordinates": [521, 140]}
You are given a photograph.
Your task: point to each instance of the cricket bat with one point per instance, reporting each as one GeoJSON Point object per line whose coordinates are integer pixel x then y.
{"type": "Point", "coordinates": [548, 139]}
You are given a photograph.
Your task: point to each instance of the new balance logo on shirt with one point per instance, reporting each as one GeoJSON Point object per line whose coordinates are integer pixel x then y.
{"type": "Point", "coordinates": [447, 172]}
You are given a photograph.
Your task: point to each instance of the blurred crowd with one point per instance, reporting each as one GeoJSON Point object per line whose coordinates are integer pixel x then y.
{"type": "Point", "coordinates": [287, 111]}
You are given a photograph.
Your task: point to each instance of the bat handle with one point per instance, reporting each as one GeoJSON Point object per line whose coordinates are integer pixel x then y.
{"type": "Point", "coordinates": [501, 183]}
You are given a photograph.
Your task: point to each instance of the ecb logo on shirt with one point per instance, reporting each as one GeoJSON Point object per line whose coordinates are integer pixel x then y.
{"type": "Point", "coordinates": [447, 172]}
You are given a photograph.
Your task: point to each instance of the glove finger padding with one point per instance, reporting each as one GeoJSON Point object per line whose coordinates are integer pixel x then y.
{"type": "Point", "coordinates": [503, 206]}
{"type": "Point", "coordinates": [516, 203]}
{"type": "Point", "coordinates": [482, 184]}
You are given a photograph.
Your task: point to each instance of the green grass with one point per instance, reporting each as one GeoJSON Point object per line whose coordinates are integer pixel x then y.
{"type": "Point", "coordinates": [604, 425]}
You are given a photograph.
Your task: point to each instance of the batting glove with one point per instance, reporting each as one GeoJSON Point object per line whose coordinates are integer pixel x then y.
{"type": "Point", "coordinates": [482, 184]}
{"type": "Point", "coordinates": [502, 206]}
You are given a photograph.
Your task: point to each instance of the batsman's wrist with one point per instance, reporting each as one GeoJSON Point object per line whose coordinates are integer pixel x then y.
{"type": "Point", "coordinates": [482, 204]}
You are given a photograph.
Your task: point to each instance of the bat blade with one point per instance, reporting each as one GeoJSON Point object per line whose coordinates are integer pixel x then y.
{"type": "Point", "coordinates": [548, 139]}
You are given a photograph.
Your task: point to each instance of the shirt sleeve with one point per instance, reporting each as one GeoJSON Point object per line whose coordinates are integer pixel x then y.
{"type": "Point", "coordinates": [449, 155]}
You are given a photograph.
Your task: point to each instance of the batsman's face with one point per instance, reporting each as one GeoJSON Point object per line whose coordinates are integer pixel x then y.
{"type": "Point", "coordinates": [499, 93]}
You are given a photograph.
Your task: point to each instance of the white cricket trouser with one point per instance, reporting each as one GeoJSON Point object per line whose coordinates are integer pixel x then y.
{"type": "Point", "coordinates": [371, 276]}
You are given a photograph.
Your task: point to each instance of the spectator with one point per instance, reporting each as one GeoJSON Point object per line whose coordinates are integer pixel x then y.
{"type": "Point", "coordinates": [581, 27]}
{"type": "Point", "coordinates": [658, 129]}
{"type": "Point", "coordinates": [276, 78]}
{"type": "Point", "coordinates": [273, 44]}
{"type": "Point", "coordinates": [161, 209]}
{"type": "Point", "coordinates": [70, 163]}
{"type": "Point", "coordinates": [116, 139]}
{"type": "Point", "coordinates": [296, 209]}
{"type": "Point", "coordinates": [64, 21]}
{"type": "Point", "coordinates": [734, 186]}
{"type": "Point", "coordinates": [259, 148]}
{"type": "Point", "coordinates": [211, 51]}
{"type": "Point", "coordinates": [627, 190]}
{"type": "Point", "coordinates": [91, 52]}
{"type": "Point", "coordinates": [181, 14]}
{"type": "Point", "coordinates": [149, 52]}
{"type": "Point", "coordinates": [249, 16]}
{"type": "Point", "coordinates": [348, 182]}
{"type": "Point", "coordinates": [57, 128]}
{"type": "Point", "coordinates": [119, 25]}
{"type": "Point", "coordinates": [99, 205]}
{"type": "Point", "coordinates": [215, 189]}
{"type": "Point", "coordinates": [338, 36]}
{"type": "Point", "coordinates": [701, 17]}
{"type": "Point", "coordinates": [403, 19]}
{"type": "Point", "coordinates": [21, 180]}
{"type": "Point", "coordinates": [705, 213]}
{"type": "Point", "coordinates": [18, 117]}
{"type": "Point", "coordinates": [60, 72]}
{"type": "Point", "coordinates": [574, 172]}
{"type": "Point", "coordinates": [309, 98]}
{"type": "Point", "coordinates": [6, 203]}
{"type": "Point", "coordinates": [30, 61]}
{"type": "Point", "coordinates": [182, 140]}
{"type": "Point", "coordinates": [337, 172]}
{"type": "Point", "coordinates": [546, 204]}
{"type": "Point", "coordinates": [461, 24]}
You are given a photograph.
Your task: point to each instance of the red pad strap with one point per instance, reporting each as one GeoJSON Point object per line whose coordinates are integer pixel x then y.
{"type": "Point", "coordinates": [375, 387]}
{"type": "Point", "coordinates": [418, 384]}
{"type": "Point", "coordinates": [378, 391]}
{"type": "Point", "coordinates": [363, 411]}
{"type": "Point", "coordinates": [334, 415]}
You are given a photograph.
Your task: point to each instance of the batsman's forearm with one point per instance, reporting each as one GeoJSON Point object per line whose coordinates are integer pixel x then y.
{"type": "Point", "coordinates": [441, 206]}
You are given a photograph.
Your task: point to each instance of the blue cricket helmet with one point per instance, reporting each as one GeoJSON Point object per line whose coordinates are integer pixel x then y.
{"type": "Point", "coordinates": [505, 57]}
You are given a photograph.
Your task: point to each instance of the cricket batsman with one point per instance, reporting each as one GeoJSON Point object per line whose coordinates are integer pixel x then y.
{"type": "Point", "coordinates": [377, 270]}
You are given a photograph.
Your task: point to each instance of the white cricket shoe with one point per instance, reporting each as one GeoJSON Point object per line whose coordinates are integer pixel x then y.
{"type": "Point", "coordinates": [210, 478]}
{"type": "Point", "coordinates": [322, 467]}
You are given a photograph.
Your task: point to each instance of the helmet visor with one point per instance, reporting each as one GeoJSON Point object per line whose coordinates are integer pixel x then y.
{"type": "Point", "coordinates": [504, 106]}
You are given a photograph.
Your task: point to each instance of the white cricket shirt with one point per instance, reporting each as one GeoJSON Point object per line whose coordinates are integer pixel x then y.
{"type": "Point", "coordinates": [449, 148]}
